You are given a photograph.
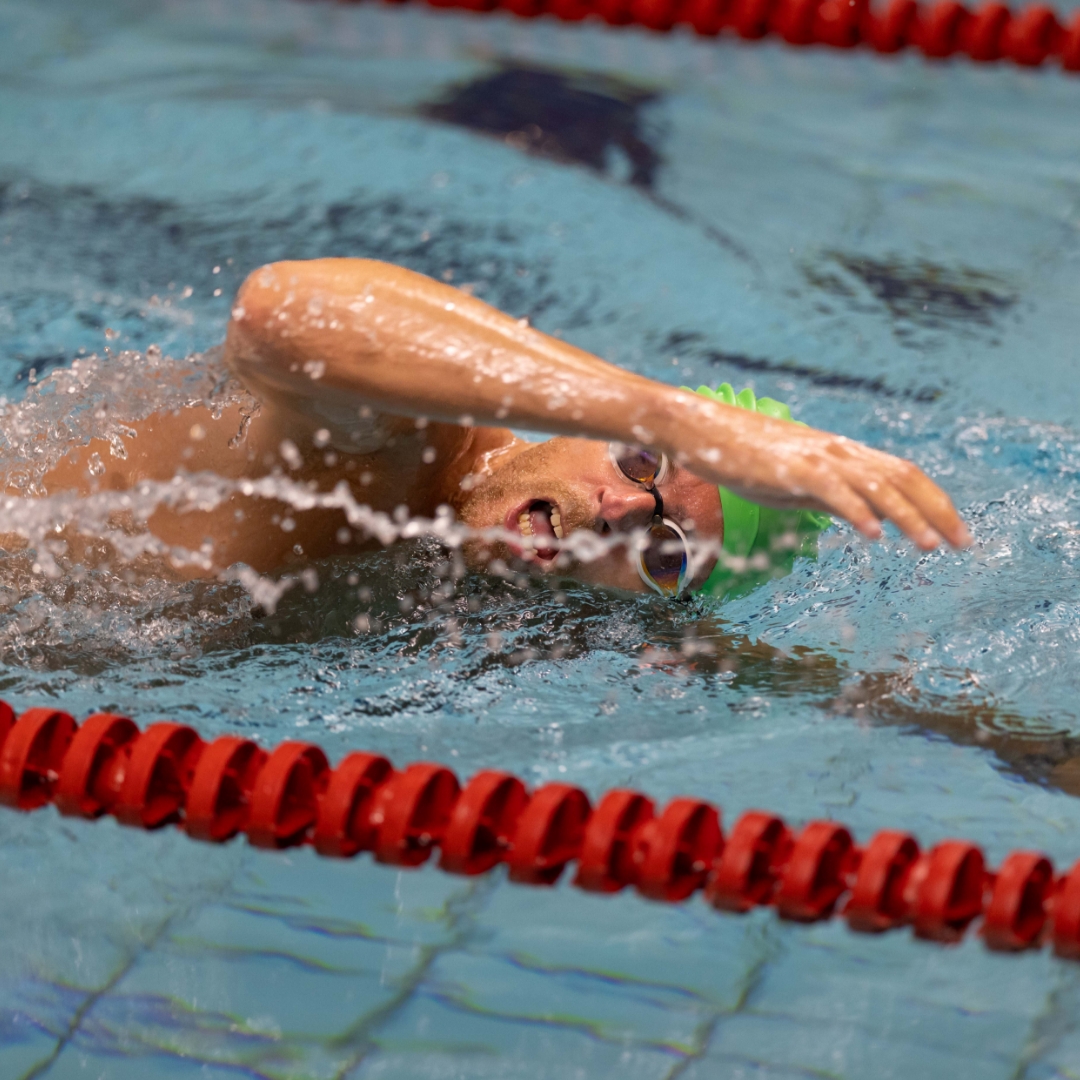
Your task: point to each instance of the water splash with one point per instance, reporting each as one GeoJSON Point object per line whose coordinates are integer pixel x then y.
{"type": "Point", "coordinates": [127, 593]}
{"type": "Point", "coordinates": [99, 397]}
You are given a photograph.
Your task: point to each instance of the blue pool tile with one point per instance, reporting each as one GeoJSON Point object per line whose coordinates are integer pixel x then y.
{"type": "Point", "coordinates": [237, 932]}
{"type": "Point", "coordinates": [816, 1048]}
{"type": "Point", "coordinates": [271, 1013]}
{"type": "Point", "coordinates": [833, 1000]}
{"type": "Point", "coordinates": [24, 1044]}
{"type": "Point", "coordinates": [428, 1039]}
{"type": "Point", "coordinates": [357, 895]}
{"type": "Point", "coordinates": [611, 1008]}
{"type": "Point", "coordinates": [75, 1063]}
{"type": "Point", "coordinates": [686, 949]}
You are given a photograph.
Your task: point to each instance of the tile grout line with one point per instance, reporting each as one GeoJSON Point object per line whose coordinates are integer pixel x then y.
{"type": "Point", "coordinates": [1046, 1030]}
{"type": "Point", "coordinates": [707, 1029]}
{"type": "Point", "coordinates": [41, 1068]}
{"type": "Point", "coordinates": [469, 904]}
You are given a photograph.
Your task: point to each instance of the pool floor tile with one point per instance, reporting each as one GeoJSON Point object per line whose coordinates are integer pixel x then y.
{"type": "Point", "coordinates": [603, 1005]}
{"type": "Point", "coordinates": [914, 996]}
{"type": "Point", "coordinates": [22, 1046]}
{"type": "Point", "coordinates": [688, 947]}
{"type": "Point", "coordinates": [75, 1063]}
{"type": "Point", "coordinates": [227, 931]}
{"type": "Point", "coordinates": [429, 1039]}
{"type": "Point", "coordinates": [357, 895]}
{"type": "Point", "coordinates": [255, 997]}
{"type": "Point", "coordinates": [848, 1050]}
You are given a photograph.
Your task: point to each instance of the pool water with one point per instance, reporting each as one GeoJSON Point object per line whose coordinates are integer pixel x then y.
{"type": "Point", "coordinates": [890, 245]}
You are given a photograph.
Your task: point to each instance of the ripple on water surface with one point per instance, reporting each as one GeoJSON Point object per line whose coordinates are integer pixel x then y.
{"type": "Point", "coordinates": [887, 245]}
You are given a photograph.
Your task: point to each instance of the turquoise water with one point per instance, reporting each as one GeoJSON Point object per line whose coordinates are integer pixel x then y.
{"type": "Point", "coordinates": [891, 246]}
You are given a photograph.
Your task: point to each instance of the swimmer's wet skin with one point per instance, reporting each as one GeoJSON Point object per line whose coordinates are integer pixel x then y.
{"type": "Point", "coordinates": [400, 385]}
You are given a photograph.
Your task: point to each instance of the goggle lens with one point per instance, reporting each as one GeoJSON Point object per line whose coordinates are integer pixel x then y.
{"type": "Point", "coordinates": [663, 564]}
{"type": "Point", "coordinates": [664, 561]}
{"type": "Point", "coordinates": [641, 466]}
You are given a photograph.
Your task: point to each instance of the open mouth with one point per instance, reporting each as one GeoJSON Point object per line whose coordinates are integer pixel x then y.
{"type": "Point", "coordinates": [538, 523]}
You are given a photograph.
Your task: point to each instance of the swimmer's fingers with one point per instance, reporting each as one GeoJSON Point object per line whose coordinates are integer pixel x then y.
{"type": "Point", "coordinates": [836, 496]}
{"type": "Point", "coordinates": [832, 478]}
{"type": "Point", "coordinates": [816, 479]}
{"type": "Point", "coordinates": [866, 487]}
{"type": "Point", "coordinates": [878, 502]}
{"type": "Point", "coordinates": [934, 505]}
{"type": "Point", "coordinates": [800, 466]}
{"type": "Point", "coordinates": [901, 492]}
{"type": "Point", "coordinates": [890, 504]}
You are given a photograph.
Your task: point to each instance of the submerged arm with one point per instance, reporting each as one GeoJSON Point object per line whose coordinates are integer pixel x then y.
{"type": "Point", "coordinates": [334, 338]}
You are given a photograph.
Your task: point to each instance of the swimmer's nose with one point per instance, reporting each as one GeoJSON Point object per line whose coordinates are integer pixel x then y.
{"type": "Point", "coordinates": [626, 508]}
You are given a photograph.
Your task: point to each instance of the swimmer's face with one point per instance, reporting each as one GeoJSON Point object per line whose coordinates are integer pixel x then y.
{"type": "Point", "coordinates": [564, 486]}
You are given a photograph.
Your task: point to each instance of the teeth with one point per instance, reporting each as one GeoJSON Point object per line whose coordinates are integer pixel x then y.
{"type": "Point", "coordinates": [525, 524]}
{"type": "Point", "coordinates": [556, 524]}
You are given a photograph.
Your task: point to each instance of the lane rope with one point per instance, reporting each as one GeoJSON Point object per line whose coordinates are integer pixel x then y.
{"type": "Point", "coordinates": [214, 791]}
{"type": "Point", "coordinates": [1030, 36]}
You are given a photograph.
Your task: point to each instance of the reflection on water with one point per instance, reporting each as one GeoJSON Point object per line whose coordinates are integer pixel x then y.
{"type": "Point", "coordinates": [415, 601]}
{"type": "Point", "coordinates": [887, 244]}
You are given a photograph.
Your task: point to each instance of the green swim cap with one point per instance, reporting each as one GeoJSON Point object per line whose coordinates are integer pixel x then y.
{"type": "Point", "coordinates": [767, 539]}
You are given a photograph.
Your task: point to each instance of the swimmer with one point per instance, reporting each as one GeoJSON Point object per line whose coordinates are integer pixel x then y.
{"type": "Point", "coordinates": [406, 389]}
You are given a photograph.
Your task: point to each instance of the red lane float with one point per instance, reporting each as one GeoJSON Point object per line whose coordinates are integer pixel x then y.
{"type": "Point", "coordinates": [548, 834]}
{"type": "Point", "coordinates": [817, 872]}
{"type": "Point", "coordinates": [219, 799]}
{"type": "Point", "coordinates": [609, 859]}
{"type": "Point", "coordinates": [992, 32]}
{"type": "Point", "coordinates": [343, 826]}
{"type": "Point", "coordinates": [410, 813]}
{"type": "Point", "coordinates": [158, 775]}
{"type": "Point", "coordinates": [290, 795]}
{"type": "Point", "coordinates": [95, 766]}
{"type": "Point", "coordinates": [285, 795]}
{"type": "Point", "coordinates": [675, 851]}
{"type": "Point", "coordinates": [877, 900]}
{"type": "Point", "coordinates": [748, 869]}
{"type": "Point", "coordinates": [32, 757]}
{"type": "Point", "coordinates": [481, 826]}
{"type": "Point", "coordinates": [1016, 913]}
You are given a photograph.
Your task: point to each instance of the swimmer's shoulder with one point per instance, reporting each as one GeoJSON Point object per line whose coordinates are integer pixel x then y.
{"type": "Point", "coordinates": [193, 438]}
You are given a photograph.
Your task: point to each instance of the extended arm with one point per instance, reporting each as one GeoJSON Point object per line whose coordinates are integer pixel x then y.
{"type": "Point", "coordinates": [334, 337]}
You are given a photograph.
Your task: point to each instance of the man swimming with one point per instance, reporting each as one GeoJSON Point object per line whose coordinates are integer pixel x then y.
{"type": "Point", "coordinates": [399, 385]}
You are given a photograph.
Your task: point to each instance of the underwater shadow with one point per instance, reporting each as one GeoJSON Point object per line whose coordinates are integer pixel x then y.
{"type": "Point", "coordinates": [1035, 754]}
{"type": "Point", "coordinates": [588, 120]}
{"type": "Point", "coordinates": [573, 118]}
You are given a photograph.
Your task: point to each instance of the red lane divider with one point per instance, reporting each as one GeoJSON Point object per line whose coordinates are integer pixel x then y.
{"type": "Point", "coordinates": [1028, 37]}
{"type": "Point", "coordinates": [291, 795]}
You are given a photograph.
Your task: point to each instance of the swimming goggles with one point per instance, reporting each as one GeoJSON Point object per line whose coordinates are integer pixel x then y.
{"type": "Point", "coordinates": [664, 562]}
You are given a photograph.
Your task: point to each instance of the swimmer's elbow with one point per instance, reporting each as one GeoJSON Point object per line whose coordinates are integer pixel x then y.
{"type": "Point", "coordinates": [288, 313]}
{"type": "Point", "coordinates": [283, 293]}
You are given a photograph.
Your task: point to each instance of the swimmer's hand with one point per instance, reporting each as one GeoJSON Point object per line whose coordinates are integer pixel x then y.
{"type": "Point", "coordinates": [333, 339]}
{"type": "Point", "coordinates": [777, 463]}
